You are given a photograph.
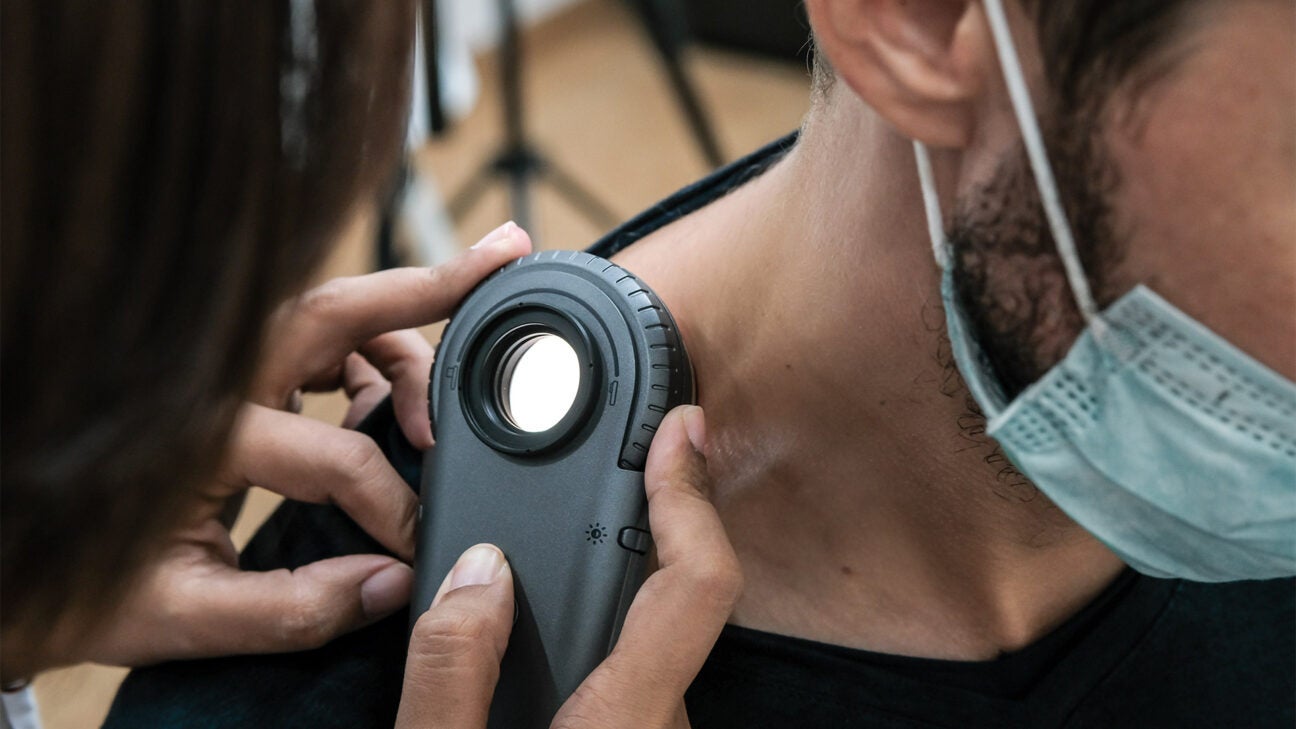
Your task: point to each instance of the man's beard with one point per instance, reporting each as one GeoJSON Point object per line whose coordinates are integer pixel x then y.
{"type": "Point", "coordinates": [1007, 274]}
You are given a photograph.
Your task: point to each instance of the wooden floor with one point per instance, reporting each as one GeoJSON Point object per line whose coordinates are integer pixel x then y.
{"type": "Point", "coordinates": [597, 103]}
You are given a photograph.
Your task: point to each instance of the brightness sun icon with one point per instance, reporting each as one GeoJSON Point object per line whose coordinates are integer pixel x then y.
{"type": "Point", "coordinates": [596, 533]}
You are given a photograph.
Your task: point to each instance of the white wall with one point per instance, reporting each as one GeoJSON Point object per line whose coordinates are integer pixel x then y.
{"type": "Point", "coordinates": [476, 19]}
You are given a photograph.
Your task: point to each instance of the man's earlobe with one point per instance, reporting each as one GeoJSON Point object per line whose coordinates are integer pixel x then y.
{"type": "Point", "coordinates": [918, 63]}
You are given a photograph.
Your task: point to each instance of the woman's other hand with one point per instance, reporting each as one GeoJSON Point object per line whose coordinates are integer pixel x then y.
{"type": "Point", "coordinates": [354, 334]}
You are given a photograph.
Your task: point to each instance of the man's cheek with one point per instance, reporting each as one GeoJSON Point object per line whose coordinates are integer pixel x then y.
{"type": "Point", "coordinates": [1209, 207]}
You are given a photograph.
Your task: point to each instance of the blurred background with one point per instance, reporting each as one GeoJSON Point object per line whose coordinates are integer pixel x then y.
{"type": "Point", "coordinates": [592, 111]}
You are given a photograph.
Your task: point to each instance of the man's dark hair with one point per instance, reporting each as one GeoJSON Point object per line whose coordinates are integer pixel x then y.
{"type": "Point", "coordinates": [1092, 47]}
{"type": "Point", "coordinates": [171, 171]}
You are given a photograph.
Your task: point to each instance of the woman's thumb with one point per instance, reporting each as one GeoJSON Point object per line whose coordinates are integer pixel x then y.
{"type": "Point", "coordinates": [457, 645]}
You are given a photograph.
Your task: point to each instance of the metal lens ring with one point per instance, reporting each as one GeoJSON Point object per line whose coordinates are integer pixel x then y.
{"type": "Point", "coordinates": [537, 381]}
{"type": "Point", "coordinates": [531, 375]}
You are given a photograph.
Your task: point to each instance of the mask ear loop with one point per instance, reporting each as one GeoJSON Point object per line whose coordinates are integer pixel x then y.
{"type": "Point", "coordinates": [931, 204]}
{"type": "Point", "coordinates": [1036, 152]}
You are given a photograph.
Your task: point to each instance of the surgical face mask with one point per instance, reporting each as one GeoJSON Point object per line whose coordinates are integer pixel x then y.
{"type": "Point", "coordinates": [1173, 447]}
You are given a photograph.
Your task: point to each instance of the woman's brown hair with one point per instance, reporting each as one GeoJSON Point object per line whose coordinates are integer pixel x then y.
{"type": "Point", "coordinates": [171, 170]}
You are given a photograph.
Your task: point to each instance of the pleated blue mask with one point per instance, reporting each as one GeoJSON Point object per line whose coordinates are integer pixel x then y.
{"type": "Point", "coordinates": [1173, 447]}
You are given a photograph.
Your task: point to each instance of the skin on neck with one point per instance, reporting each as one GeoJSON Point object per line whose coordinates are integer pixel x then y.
{"type": "Point", "coordinates": [865, 502]}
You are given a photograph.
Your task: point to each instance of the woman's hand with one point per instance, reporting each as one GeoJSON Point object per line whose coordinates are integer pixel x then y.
{"type": "Point", "coordinates": [458, 643]}
{"type": "Point", "coordinates": [353, 333]}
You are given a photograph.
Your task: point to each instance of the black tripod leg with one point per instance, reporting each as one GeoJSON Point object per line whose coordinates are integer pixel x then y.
{"type": "Point", "coordinates": [468, 195]}
{"type": "Point", "coordinates": [520, 201]}
{"type": "Point", "coordinates": [430, 27]}
{"type": "Point", "coordinates": [520, 167]}
{"type": "Point", "coordinates": [667, 41]}
{"type": "Point", "coordinates": [580, 198]}
{"type": "Point", "coordinates": [518, 162]}
{"type": "Point", "coordinates": [697, 118]}
{"type": "Point", "coordinates": [385, 249]}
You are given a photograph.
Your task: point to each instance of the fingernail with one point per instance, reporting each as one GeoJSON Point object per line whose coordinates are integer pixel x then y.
{"type": "Point", "coordinates": [695, 426]}
{"type": "Point", "coordinates": [386, 590]}
{"type": "Point", "coordinates": [499, 235]}
{"type": "Point", "coordinates": [480, 565]}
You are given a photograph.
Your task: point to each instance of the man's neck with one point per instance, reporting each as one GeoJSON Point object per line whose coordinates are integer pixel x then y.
{"type": "Point", "coordinates": [852, 471]}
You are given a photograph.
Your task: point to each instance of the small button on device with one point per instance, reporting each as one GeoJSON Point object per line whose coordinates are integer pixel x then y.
{"type": "Point", "coordinates": [635, 539]}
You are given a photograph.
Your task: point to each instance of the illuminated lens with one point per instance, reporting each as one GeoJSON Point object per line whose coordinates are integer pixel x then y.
{"type": "Point", "coordinates": [538, 382]}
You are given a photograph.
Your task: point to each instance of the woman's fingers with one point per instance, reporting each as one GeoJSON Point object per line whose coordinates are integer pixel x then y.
{"type": "Point", "coordinates": [404, 358]}
{"type": "Point", "coordinates": [198, 606]}
{"type": "Point", "coordinates": [311, 461]}
{"type": "Point", "coordinates": [682, 607]}
{"type": "Point", "coordinates": [680, 610]}
{"type": "Point", "coordinates": [346, 312]}
{"type": "Point", "coordinates": [364, 386]}
{"type": "Point", "coordinates": [312, 334]}
{"type": "Point", "coordinates": [456, 647]}
{"type": "Point", "coordinates": [334, 319]}
{"type": "Point", "coordinates": [397, 364]}
{"type": "Point", "coordinates": [283, 610]}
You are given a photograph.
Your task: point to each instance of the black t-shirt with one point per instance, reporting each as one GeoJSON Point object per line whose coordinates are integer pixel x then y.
{"type": "Point", "coordinates": [1145, 653]}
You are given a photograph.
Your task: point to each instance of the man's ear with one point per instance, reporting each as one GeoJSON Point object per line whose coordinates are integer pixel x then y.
{"type": "Point", "coordinates": [921, 64]}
